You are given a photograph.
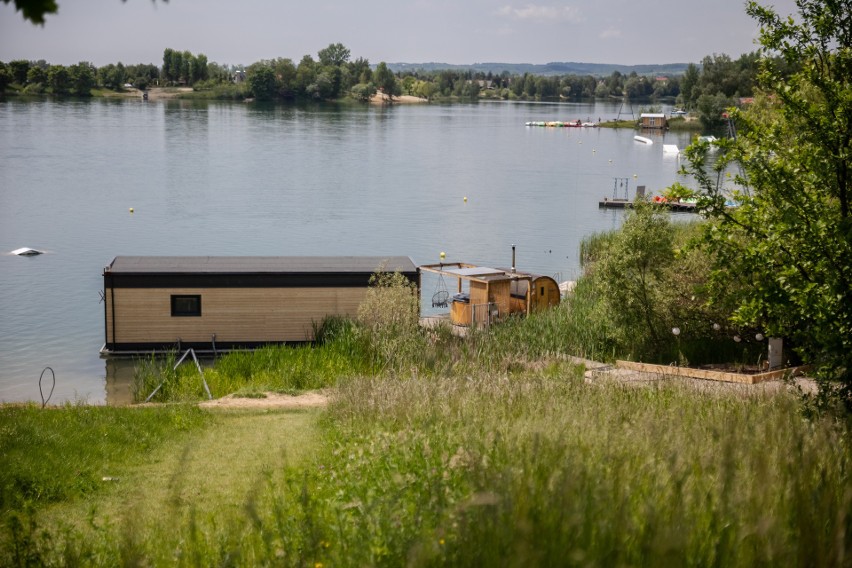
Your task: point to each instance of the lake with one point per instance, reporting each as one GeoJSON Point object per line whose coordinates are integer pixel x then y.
{"type": "Point", "coordinates": [211, 178]}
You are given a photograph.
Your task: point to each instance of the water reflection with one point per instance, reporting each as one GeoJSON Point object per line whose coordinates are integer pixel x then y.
{"type": "Point", "coordinates": [120, 377]}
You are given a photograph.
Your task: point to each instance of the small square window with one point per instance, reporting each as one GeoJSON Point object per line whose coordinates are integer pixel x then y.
{"type": "Point", "coordinates": [186, 306]}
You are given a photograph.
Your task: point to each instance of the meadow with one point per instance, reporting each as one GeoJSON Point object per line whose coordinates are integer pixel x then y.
{"type": "Point", "coordinates": [527, 468]}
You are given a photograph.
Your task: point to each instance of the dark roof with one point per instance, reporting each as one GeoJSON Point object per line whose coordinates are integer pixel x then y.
{"type": "Point", "coordinates": [257, 264]}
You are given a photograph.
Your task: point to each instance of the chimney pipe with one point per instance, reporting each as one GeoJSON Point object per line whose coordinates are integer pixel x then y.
{"type": "Point", "coordinates": [513, 259]}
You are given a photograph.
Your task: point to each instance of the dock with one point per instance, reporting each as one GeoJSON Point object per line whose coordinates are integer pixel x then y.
{"type": "Point", "coordinates": [607, 203]}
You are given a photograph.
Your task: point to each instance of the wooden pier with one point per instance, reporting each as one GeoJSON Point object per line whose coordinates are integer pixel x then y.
{"type": "Point", "coordinates": [607, 203]}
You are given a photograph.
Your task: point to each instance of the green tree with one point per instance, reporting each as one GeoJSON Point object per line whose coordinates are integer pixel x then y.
{"type": "Point", "coordinates": [5, 77]}
{"type": "Point", "coordinates": [631, 273]}
{"type": "Point", "coordinates": [386, 80]}
{"type": "Point", "coordinates": [687, 86]}
{"type": "Point", "coordinates": [59, 79]}
{"type": "Point", "coordinates": [83, 78]}
{"type": "Point", "coordinates": [261, 81]}
{"type": "Point", "coordinates": [789, 243]}
{"type": "Point", "coordinates": [334, 55]}
{"type": "Point", "coordinates": [168, 58]}
{"type": "Point", "coordinates": [19, 69]}
{"type": "Point", "coordinates": [360, 70]}
{"type": "Point", "coordinates": [199, 68]}
{"type": "Point", "coordinates": [711, 109]}
{"type": "Point", "coordinates": [285, 76]}
{"type": "Point", "coordinates": [37, 76]}
{"type": "Point", "coordinates": [363, 91]}
{"type": "Point", "coordinates": [306, 74]}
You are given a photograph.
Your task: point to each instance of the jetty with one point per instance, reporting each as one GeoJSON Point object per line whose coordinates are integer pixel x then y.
{"type": "Point", "coordinates": [606, 203]}
{"type": "Point", "coordinates": [619, 200]}
{"type": "Point", "coordinates": [561, 124]}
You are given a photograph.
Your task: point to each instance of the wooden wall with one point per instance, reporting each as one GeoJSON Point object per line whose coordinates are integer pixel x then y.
{"type": "Point", "coordinates": [550, 297]}
{"type": "Point", "coordinates": [143, 315]}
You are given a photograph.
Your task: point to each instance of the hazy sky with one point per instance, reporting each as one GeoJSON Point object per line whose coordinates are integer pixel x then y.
{"type": "Point", "coordinates": [415, 31]}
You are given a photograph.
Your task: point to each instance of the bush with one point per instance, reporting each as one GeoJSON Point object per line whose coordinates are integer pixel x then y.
{"type": "Point", "coordinates": [390, 317]}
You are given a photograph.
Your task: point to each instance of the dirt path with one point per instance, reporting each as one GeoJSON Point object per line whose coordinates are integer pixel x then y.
{"type": "Point", "coordinates": [312, 399]}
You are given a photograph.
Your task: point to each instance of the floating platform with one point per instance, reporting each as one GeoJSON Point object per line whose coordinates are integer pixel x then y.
{"type": "Point", "coordinates": [606, 203]}
{"type": "Point", "coordinates": [560, 124]}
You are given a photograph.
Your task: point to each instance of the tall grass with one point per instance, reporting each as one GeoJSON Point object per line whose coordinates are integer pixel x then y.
{"type": "Point", "coordinates": [544, 470]}
{"type": "Point", "coordinates": [55, 455]}
{"type": "Point", "coordinates": [535, 468]}
{"type": "Point", "coordinates": [340, 352]}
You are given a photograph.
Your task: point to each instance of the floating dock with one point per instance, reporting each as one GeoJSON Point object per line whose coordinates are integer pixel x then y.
{"type": "Point", "coordinates": [560, 124]}
{"type": "Point", "coordinates": [606, 203]}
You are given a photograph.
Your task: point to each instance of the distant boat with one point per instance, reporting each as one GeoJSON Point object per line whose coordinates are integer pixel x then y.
{"type": "Point", "coordinates": [643, 140]}
{"type": "Point", "coordinates": [678, 112]}
{"type": "Point", "coordinates": [670, 149]}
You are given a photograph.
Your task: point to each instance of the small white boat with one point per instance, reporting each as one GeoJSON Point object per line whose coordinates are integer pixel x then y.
{"type": "Point", "coordinates": [670, 149]}
{"type": "Point", "coordinates": [643, 140]}
{"type": "Point", "coordinates": [27, 252]}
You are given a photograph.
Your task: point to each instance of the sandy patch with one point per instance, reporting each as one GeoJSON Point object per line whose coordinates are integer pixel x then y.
{"type": "Point", "coordinates": [381, 98]}
{"type": "Point", "coordinates": [313, 399]}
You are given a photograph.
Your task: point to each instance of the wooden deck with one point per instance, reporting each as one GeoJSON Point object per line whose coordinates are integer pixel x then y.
{"type": "Point", "coordinates": [624, 204]}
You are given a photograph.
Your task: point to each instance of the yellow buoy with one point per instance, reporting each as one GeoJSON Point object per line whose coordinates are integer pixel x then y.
{"type": "Point", "coordinates": [635, 176]}
{"type": "Point", "coordinates": [443, 255]}
{"type": "Point", "coordinates": [131, 209]}
{"type": "Point", "coordinates": [465, 198]}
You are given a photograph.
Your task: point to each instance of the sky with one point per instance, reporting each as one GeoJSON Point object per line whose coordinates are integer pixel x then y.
{"type": "Point", "coordinates": [234, 32]}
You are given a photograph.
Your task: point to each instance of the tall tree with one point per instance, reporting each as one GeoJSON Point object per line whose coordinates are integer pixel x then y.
{"type": "Point", "coordinates": [336, 54]}
{"type": "Point", "coordinates": [790, 240]}
{"type": "Point", "coordinates": [59, 79]}
{"type": "Point", "coordinates": [386, 81]}
{"type": "Point", "coordinates": [5, 77]}
{"type": "Point", "coordinates": [261, 80]}
{"type": "Point", "coordinates": [19, 69]}
{"type": "Point", "coordinates": [688, 84]}
{"type": "Point", "coordinates": [83, 78]}
{"type": "Point", "coordinates": [36, 76]}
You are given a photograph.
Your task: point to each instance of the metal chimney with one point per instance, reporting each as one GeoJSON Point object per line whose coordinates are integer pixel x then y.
{"type": "Point", "coordinates": [513, 259]}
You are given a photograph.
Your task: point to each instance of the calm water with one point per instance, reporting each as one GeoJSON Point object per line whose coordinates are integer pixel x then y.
{"type": "Point", "coordinates": [244, 179]}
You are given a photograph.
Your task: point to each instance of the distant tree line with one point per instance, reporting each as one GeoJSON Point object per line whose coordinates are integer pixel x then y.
{"type": "Point", "coordinates": [707, 88]}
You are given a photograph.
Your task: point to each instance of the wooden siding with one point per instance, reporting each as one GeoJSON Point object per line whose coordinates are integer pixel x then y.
{"type": "Point", "coordinates": [551, 296]}
{"type": "Point", "coordinates": [233, 314]}
{"type": "Point", "coordinates": [498, 293]}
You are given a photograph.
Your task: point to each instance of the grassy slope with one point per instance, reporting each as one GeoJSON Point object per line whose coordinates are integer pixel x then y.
{"type": "Point", "coordinates": [211, 473]}
{"type": "Point", "coordinates": [512, 469]}
{"type": "Point", "coordinates": [204, 475]}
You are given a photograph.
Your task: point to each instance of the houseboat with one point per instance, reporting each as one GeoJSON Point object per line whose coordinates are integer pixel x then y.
{"type": "Point", "coordinates": [209, 303]}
